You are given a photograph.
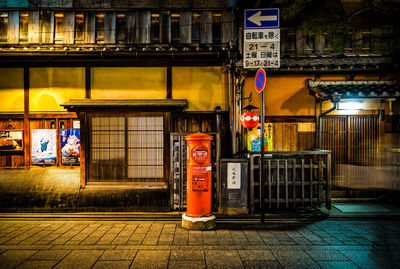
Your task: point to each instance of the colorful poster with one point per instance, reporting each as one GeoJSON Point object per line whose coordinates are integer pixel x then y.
{"type": "Point", "coordinates": [44, 146]}
{"type": "Point", "coordinates": [254, 138]}
{"type": "Point", "coordinates": [70, 146]}
{"type": "Point", "coordinates": [10, 140]}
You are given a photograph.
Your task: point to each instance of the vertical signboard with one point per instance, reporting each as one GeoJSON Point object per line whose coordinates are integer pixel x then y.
{"type": "Point", "coordinates": [234, 176]}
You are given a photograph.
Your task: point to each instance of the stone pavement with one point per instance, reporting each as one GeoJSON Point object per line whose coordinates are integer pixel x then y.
{"type": "Point", "coordinates": [100, 243]}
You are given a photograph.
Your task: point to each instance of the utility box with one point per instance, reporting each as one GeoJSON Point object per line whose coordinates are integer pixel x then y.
{"type": "Point", "coordinates": [235, 186]}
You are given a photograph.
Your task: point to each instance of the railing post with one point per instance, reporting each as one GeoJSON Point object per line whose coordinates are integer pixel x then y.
{"type": "Point", "coordinates": [251, 184]}
{"type": "Point", "coordinates": [328, 181]}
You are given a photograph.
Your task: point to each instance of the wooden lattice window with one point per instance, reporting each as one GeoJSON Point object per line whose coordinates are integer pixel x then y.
{"type": "Point", "coordinates": [126, 148]}
{"type": "Point", "coordinates": [145, 147]}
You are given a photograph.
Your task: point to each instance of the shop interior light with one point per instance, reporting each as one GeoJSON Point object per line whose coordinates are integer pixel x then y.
{"type": "Point", "coordinates": [351, 105]}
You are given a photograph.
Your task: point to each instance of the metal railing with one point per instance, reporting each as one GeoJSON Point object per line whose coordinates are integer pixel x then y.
{"type": "Point", "coordinates": [294, 179]}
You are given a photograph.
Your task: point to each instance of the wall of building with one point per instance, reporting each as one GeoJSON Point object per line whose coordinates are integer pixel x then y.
{"type": "Point", "coordinates": [50, 87]}
{"type": "Point", "coordinates": [12, 90]}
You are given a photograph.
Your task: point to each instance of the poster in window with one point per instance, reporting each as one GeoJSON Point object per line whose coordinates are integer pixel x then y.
{"type": "Point", "coordinates": [10, 140]}
{"type": "Point", "coordinates": [44, 146]}
{"type": "Point", "coordinates": [70, 146]}
{"type": "Point", "coordinates": [254, 138]}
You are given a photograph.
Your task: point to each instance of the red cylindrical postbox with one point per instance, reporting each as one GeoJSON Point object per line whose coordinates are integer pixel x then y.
{"type": "Point", "coordinates": [199, 175]}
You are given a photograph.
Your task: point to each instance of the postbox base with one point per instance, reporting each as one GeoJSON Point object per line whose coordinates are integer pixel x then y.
{"type": "Point", "coordinates": [202, 223]}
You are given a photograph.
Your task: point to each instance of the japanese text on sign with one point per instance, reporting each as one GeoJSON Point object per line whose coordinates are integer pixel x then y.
{"type": "Point", "coordinates": [233, 176]}
{"type": "Point", "coordinates": [261, 48]}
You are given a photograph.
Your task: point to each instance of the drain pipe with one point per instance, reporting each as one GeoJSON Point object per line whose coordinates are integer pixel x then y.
{"type": "Point", "coordinates": [335, 99]}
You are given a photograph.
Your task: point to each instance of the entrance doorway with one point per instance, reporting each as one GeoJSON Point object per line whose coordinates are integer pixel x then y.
{"type": "Point", "coordinates": [354, 142]}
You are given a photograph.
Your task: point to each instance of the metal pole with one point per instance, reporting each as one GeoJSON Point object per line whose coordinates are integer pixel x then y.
{"type": "Point", "coordinates": [262, 184]}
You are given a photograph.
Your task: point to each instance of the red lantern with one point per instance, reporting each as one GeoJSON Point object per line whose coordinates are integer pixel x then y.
{"type": "Point", "coordinates": [249, 119]}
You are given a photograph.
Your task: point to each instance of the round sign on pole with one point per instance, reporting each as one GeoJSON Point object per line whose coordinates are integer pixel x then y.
{"type": "Point", "coordinates": [260, 80]}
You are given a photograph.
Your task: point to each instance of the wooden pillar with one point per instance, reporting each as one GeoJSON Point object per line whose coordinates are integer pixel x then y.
{"type": "Point", "coordinates": [83, 132]}
{"type": "Point", "coordinates": [26, 134]}
{"type": "Point", "coordinates": [88, 82]}
{"type": "Point", "coordinates": [169, 82]}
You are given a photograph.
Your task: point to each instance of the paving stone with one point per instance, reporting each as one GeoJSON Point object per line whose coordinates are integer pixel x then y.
{"type": "Point", "coordinates": [80, 259]}
{"type": "Point", "coordinates": [337, 264]}
{"type": "Point", "coordinates": [186, 264]}
{"type": "Point", "coordinates": [150, 240]}
{"type": "Point", "coordinates": [12, 258]}
{"type": "Point", "coordinates": [256, 255]}
{"type": "Point", "coordinates": [151, 259]}
{"type": "Point", "coordinates": [221, 258]}
{"type": "Point", "coordinates": [187, 255]}
{"type": "Point", "coordinates": [328, 255]}
{"type": "Point", "coordinates": [37, 264]}
{"type": "Point", "coordinates": [50, 255]}
{"type": "Point", "coordinates": [262, 264]}
{"type": "Point", "coordinates": [291, 256]}
{"type": "Point", "coordinates": [118, 255]}
{"type": "Point", "coordinates": [367, 259]}
{"type": "Point", "coordinates": [111, 265]}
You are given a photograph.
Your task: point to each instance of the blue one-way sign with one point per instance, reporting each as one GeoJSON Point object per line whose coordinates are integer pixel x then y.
{"type": "Point", "coordinates": [261, 18]}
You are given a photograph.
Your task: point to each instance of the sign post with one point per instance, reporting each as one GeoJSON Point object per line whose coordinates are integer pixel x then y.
{"type": "Point", "coordinates": [259, 83]}
{"type": "Point", "coordinates": [261, 50]}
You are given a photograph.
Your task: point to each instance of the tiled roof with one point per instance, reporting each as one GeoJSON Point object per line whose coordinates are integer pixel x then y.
{"type": "Point", "coordinates": [355, 89]}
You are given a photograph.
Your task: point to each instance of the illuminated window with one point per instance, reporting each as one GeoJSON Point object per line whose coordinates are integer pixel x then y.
{"type": "Point", "coordinates": [79, 27]}
{"type": "Point", "coordinates": [3, 26]}
{"type": "Point", "coordinates": [126, 148]}
{"type": "Point", "coordinates": [59, 28]}
{"type": "Point", "coordinates": [196, 27]}
{"type": "Point", "coordinates": [120, 28]}
{"type": "Point", "coordinates": [216, 27]}
{"type": "Point", "coordinates": [155, 28]}
{"type": "Point", "coordinates": [100, 28]}
{"type": "Point", "coordinates": [175, 27]}
{"type": "Point", "coordinates": [23, 26]}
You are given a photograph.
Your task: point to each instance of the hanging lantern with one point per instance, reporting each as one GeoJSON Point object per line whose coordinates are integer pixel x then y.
{"type": "Point", "coordinates": [249, 119]}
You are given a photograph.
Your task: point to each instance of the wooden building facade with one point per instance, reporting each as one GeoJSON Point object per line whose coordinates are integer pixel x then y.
{"type": "Point", "coordinates": [136, 76]}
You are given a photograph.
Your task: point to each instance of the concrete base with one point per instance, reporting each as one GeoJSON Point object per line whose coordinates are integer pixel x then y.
{"type": "Point", "coordinates": [203, 223]}
{"type": "Point", "coordinates": [232, 211]}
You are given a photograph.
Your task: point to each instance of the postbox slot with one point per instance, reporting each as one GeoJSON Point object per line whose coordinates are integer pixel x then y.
{"type": "Point", "coordinates": [200, 182]}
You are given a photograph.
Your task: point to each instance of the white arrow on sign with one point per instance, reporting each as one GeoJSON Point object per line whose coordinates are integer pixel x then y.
{"type": "Point", "coordinates": [257, 18]}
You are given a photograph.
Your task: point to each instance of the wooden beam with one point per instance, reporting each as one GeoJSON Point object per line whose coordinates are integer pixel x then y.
{"type": "Point", "coordinates": [83, 133]}
{"type": "Point", "coordinates": [88, 82]}
{"type": "Point", "coordinates": [26, 120]}
{"type": "Point", "coordinates": [169, 82]}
